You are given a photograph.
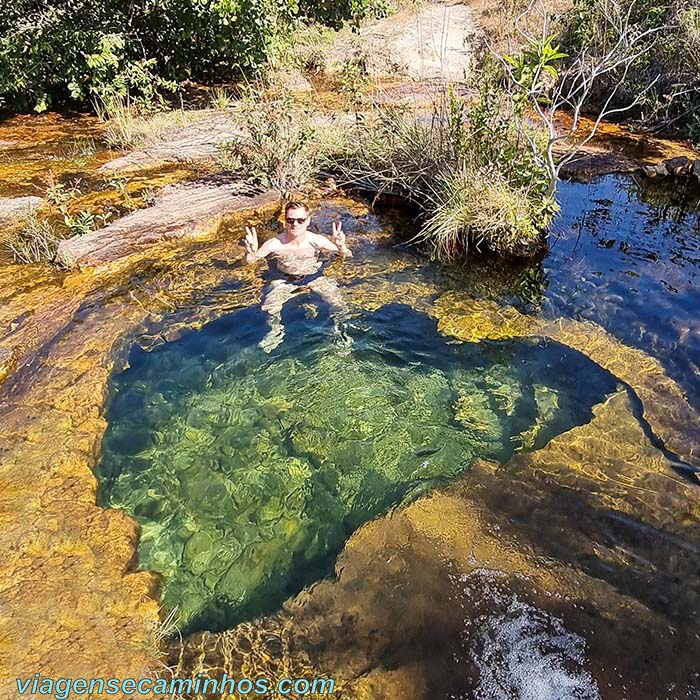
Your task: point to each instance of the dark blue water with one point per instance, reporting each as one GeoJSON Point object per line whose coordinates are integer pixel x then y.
{"type": "Point", "coordinates": [626, 254]}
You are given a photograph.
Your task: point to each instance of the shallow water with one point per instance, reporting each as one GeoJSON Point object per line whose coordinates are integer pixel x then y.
{"type": "Point", "coordinates": [248, 471]}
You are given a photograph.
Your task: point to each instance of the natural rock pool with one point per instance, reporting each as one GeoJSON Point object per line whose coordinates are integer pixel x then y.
{"type": "Point", "coordinates": [462, 500]}
{"type": "Point", "coordinates": [248, 471]}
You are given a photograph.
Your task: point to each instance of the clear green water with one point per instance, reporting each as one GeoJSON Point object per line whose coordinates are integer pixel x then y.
{"type": "Point", "coordinates": [248, 471]}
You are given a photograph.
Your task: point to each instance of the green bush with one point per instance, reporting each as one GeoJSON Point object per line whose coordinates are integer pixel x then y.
{"type": "Point", "coordinates": [673, 61]}
{"type": "Point", "coordinates": [66, 52]}
{"type": "Point", "coordinates": [334, 13]}
{"type": "Point", "coordinates": [283, 144]}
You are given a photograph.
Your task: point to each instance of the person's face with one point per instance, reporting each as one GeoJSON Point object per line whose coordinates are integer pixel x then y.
{"type": "Point", "coordinates": [296, 221]}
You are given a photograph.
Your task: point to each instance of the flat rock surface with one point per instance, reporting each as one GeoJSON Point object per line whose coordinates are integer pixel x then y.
{"type": "Point", "coordinates": [14, 207]}
{"type": "Point", "coordinates": [180, 211]}
{"type": "Point", "coordinates": [198, 141]}
{"type": "Point", "coordinates": [434, 42]}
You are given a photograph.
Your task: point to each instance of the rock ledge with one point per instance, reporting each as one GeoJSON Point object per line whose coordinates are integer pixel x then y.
{"type": "Point", "coordinates": [182, 211]}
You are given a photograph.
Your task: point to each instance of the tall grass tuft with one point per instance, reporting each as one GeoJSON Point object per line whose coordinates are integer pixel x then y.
{"type": "Point", "coordinates": [471, 172]}
{"type": "Point", "coordinates": [35, 241]}
{"type": "Point", "coordinates": [472, 206]}
{"type": "Point", "coordinates": [128, 127]}
{"type": "Point", "coordinates": [220, 98]}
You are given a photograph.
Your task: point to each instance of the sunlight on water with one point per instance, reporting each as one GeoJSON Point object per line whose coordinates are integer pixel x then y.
{"type": "Point", "coordinates": [522, 653]}
{"type": "Point", "coordinates": [248, 471]}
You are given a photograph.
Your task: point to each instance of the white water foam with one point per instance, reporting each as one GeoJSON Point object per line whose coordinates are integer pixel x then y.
{"type": "Point", "coordinates": [523, 653]}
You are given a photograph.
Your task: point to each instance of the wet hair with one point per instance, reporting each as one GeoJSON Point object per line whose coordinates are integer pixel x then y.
{"type": "Point", "coordinates": [296, 205]}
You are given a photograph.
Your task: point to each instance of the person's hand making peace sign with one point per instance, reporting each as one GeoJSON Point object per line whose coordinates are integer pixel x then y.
{"type": "Point", "coordinates": [251, 240]}
{"type": "Point", "coordinates": [338, 237]}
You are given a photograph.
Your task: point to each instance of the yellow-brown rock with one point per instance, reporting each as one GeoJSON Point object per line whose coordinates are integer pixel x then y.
{"type": "Point", "coordinates": [74, 603]}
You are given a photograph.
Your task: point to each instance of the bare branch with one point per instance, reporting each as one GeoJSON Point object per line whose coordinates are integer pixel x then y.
{"type": "Point", "coordinates": [578, 80]}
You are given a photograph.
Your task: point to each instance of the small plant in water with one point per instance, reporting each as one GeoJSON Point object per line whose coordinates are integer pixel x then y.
{"type": "Point", "coordinates": [121, 184]}
{"type": "Point", "coordinates": [148, 196]}
{"type": "Point", "coordinates": [81, 223]}
{"type": "Point", "coordinates": [58, 194]}
{"type": "Point", "coordinates": [36, 240]}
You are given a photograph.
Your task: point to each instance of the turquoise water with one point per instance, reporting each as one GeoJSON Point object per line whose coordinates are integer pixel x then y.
{"type": "Point", "coordinates": [248, 471]}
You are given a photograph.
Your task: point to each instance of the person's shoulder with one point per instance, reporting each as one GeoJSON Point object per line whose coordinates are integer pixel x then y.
{"type": "Point", "coordinates": [318, 239]}
{"type": "Point", "coordinates": [270, 245]}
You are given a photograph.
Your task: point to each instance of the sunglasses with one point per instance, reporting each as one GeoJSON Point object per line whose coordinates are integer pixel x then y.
{"type": "Point", "coordinates": [298, 221]}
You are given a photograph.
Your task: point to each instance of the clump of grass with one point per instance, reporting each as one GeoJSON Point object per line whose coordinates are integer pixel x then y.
{"type": "Point", "coordinates": [220, 98]}
{"type": "Point", "coordinates": [471, 173]}
{"type": "Point", "coordinates": [475, 206]}
{"type": "Point", "coordinates": [34, 241]}
{"type": "Point", "coordinates": [129, 127]}
{"type": "Point", "coordinates": [283, 143]}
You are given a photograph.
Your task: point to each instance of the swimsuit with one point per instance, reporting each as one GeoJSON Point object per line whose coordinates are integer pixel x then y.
{"type": "Point", "coordinates": [297, 270]}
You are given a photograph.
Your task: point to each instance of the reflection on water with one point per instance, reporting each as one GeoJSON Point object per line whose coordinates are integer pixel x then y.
{"type": "Point", "coordinates": [248, 472]}
{"type": "Point", "coordinates": [627, 256]}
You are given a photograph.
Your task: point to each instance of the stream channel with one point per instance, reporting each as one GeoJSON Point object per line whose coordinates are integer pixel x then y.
{"type": "Point", "coordinates": [474, 481]}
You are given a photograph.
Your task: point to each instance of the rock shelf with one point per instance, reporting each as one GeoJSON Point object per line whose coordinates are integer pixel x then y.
{"type": "Point", "coordinates": [194, 142]}
{"type": "Point", "coordinates": [17, 207]}
{"type": "Point", "coordinates": [184, 211]}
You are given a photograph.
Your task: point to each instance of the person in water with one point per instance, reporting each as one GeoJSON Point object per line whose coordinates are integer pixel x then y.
{"type": "Point", "coordinates": [296, 266]}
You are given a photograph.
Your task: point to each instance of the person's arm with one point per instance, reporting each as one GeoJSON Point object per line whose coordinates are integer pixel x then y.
{"type": "Point", "coordinates": [254, 252]}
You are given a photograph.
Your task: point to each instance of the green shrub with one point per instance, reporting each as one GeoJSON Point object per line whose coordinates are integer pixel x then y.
{"type": "Point", "coordinates": [334, 13]}
{"type": "Point", "coordinates": [59, 52]}
{"type": "Point", "coordinates": [673, 61]}
{"type": "Point", "coordinates": [283, 143]}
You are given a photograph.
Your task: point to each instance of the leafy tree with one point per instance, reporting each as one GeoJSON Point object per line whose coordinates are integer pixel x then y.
{"type": "Point", "coordinates": [59, 52]}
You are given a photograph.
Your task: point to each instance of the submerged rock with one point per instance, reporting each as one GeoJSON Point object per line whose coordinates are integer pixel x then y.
{"type": "Point", "coordinates": [447, 584]}
{"type": "Point", "coordinates": [185, 211]}
{"type": "Point", "coordinates": [17, 207]}
{"type": "Point", "coordinates": [679, 167]}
